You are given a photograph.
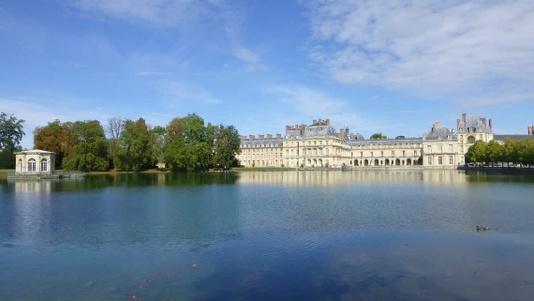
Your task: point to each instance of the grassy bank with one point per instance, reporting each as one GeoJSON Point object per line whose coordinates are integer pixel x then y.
{"type": "Point", "coordinates": [115, 172]}
{"type": "Point", "coordinates": [4, 172]}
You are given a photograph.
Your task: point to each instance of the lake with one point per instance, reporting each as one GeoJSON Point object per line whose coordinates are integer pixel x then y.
{"type": "Point", "coordinates": [308, 235]}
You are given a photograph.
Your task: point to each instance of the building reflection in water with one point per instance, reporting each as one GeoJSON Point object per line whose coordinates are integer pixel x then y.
{"type": "Point", "coordinates": [340, 178]}
{"type": "Point", "coordinates": [31, 204]}
{"type": "Point", "coordinates": [42, 187]}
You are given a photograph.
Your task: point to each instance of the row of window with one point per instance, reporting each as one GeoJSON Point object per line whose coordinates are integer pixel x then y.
{"type": "Point", "coordinates": [440, 160]}
{"type": "Point", "coordinates": [260, 145]}
{"type": "Point", "coordinates": [440, 148]}
{"type": "Point", "coordinates": [392, 153]}
{"type": "Point", "coordinates": [32, 165]}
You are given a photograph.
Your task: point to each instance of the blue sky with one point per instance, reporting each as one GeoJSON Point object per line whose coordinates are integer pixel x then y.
{"type": "Point", "coordinates": [389, 66]}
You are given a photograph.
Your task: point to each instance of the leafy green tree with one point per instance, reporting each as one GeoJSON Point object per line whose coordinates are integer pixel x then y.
{"type": "Point", "coordinates": [494, 152]}
{"type": "Point", "coordinates": [226, 146]}
{"type": "Point", "coordinates": [158, 144]}
{"type": "Point", "coordinates": [510, 153]}
{"type": "Point", "coordinates": [193, 129]}
{"type": "Point", "coordinates": [90, 147]}
{"type": "Point", "coordinates": [523, 152]}
{"type": "Point", "coordinates": [55, 137]}
{"type": "Point", "coordinates": [377, 136]}
{"type": "Point", "coordinates": [135, 146]}
{"type": "Point", "coordinates": [476, 153]}
{"type": "Point", "coordinates": [11, 133]}
{"type": "Point", "coordinates": [189, 143]}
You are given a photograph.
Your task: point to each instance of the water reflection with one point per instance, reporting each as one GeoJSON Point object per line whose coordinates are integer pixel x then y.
{"type": "Point", "coordinates": [268, 235]}
{"type": "Point", "coordinates": [340, 178]}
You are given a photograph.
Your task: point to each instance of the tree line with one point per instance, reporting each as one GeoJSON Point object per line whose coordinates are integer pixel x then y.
{"type": "Point", "coordinates": [186, 143]}
{"type": "Point", "coordinates": [493, 153]}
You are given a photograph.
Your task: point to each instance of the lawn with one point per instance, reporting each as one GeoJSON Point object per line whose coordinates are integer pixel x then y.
{"type": "Point", "coordinates": [4, 172]}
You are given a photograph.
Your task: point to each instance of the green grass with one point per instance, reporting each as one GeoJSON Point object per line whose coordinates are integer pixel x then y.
{"type": "Point", "coordinates": [4, 172]}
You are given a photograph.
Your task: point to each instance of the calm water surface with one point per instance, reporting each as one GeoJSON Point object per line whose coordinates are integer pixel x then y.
{"type": "Point", "coordinates": [374, 235]}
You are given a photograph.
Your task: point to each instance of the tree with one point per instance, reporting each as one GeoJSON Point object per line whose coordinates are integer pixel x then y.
{"type": "Point", "coordinates": [510, 152]}
{"type": "Point", "coordinates": [476, 153]}
{"type": "Point", "coordinates": [11, 133]}
{"type": "Point", "coordinates": [158, 145]}
{"type": "Point", "coordinates": [114, 129]}
{"type": "Point", "coordinates": [55, 137]}
{"type": "Point", "coordinates": [189, 143]}
{"type": "Point", "coordinates": [90, 147]}
{"type": "Point", "coordinates": [226, 146]}
{"type": "Point", "coordinates": [135, 146]}
{"type": "Point", "coordinates": [173, 130]}
{"type": "Point", "coordinates": [378, 136]}
{"type": "Point", "coordinates": [193, 129]}
{"type": "Point", "coordinates": [494, 152]}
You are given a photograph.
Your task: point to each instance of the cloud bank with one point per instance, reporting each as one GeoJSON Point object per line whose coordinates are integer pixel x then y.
{"type": "Point", "coordinates": [481, 51]}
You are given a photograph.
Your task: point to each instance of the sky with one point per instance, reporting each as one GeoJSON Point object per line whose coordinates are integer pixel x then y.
{"type": "Point", "coordinates": [373, 66]}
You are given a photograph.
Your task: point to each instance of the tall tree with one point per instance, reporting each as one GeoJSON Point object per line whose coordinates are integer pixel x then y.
{"type": "Point", "coordinates": [135, 146]}
{"type": "Point", "coordinates": [114, 128]}
{"type": "Point", "coordinates": [55, 137]}
{"type": "Point", "coordinates": [158, 144]}
{"type": "Point", "coordinates": [189, 143]}
{"type": "Point", "coordinates": [476, 153]}
{"type": "Point", "coordinates": [11, 133]}
{"type": "Point", "coordinates": [174, 130]}
{"type": "Point", "coordinates": [494, 152]}
{"type": "Point", "coordinates": [226, 146]}
{"type": "Point", "coordinates": [90, 147]}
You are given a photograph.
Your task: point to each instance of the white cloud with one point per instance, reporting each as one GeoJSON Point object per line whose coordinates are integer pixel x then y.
{"type": "Point", "coordinates": [251, 59]}
{"type": "Point", "coordinates": [307, 103]}
{"type": "Point", "coordinates": [184, 93]}
{"type": "Point", "coordinates": [451, 48]}
{"type": "Point", "coordinates": [156, 12]}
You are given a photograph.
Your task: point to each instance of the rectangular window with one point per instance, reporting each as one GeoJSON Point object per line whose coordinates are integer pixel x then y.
{"type": "Point", "coordinates": [429, 149]}
{"type": "Point", "coordinates": [440, 160]}
{"type": "Point", "coordinates": [429, 160]}
{"type": "Point", "coordinates": [451, 148]}
{"type": "Point", "coordinates": [451, 160]}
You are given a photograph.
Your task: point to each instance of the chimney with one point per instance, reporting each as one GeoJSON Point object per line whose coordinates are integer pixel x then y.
{"type": "Point", "coordinates": [464, 118]}
{"type": "Point", "coordinates": [269, 136]}
{"type": "Point", "coordinates": [457, 124]}
{"type": "Point", "coordinates": [251, 137]}
{"type": "Point", "coordinates": [490, 124]}
{"type": "Point", "coordinates": [278, 136]}
{"type": "Point", "coordinates": [261, 136]}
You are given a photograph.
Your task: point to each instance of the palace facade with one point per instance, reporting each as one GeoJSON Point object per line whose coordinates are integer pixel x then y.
{"type": "Point", "coordinates": [319, 145]}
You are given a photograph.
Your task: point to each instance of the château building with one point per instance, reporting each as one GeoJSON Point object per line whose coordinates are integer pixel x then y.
{"type": "Point", "coordinates": [319, 145]}
{"type": "Point", "coordinates": [33, 162]}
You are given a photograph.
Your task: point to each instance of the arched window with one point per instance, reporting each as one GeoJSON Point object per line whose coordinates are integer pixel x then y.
{"type": "Point", "coordinates": [471, 139]}
{"type": "Point", "coordinates": [31, 165]}
{"type": "Point", "coordinates": [44, 165]}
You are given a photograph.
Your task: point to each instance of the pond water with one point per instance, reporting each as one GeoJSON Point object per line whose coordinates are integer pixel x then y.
{"type": "Point", "coordinates": [324, 235]}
